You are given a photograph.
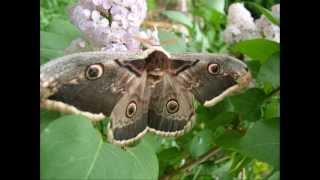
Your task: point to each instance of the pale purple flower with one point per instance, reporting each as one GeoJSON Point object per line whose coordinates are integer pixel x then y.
{"type": "Point", "coordinates": [110, 25]}
{"type": "Point", "coordinates": [268, 29]}
{"type": "Point", "coordinates": [240, 25]}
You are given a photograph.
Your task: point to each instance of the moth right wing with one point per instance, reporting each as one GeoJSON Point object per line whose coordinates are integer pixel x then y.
{"type": "Point", "coordinates": [210, 77]}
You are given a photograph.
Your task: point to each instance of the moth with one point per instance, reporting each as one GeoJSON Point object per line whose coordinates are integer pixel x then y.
{"type": "Point", "coordinates": [147, 91]}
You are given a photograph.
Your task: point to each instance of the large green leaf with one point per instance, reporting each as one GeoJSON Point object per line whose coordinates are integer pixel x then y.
{"type": "Point", "coordinates": [248, 104]}
{"type": "Point", "coordinates": [254, 67]}
{"type": "Point", "coordinates": [270, 71]}
{"type": "Point", "coordinates": [179, 17]}
{"type": "Point", "coordinates": [50, 40]}
{"type": "Point", "coordinates": [47, 117]}
{"type": "Point", "coordinates": [63, 28]}
{"type": "Point", "coordinates": [52, 45]}
{"type": "Point", "coordinates": [72, 149]}
{"type": "Point", "coordinates": [58, 37]}
{"type": "Point", "coordinates": [262, 141]}
{"type": "Point", "coordinates": [260, 49]}
{"type": "Point", "coordinates": [217, 116]}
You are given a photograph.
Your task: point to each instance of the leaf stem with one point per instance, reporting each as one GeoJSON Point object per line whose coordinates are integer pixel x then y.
{"type": "Point", "coordinates": [272, 93]}
{"type": "Point", "coordinates": [189, 165]}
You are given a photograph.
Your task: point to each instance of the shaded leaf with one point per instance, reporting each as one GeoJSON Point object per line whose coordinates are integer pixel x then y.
{"type": "Point", "coordinates": [72, 149]}
{"type": "Point", "coordinates": [260, 49]}
{"type": "Point", "coordinates": [262, 142]}
{"type": "Point", "coordinates": [248, 104]}
{"type": "Point", "coordinates": [47, 117]}
{"type": "Point", "coordinates": [272, 109]}
{"type": "Point", "coordinates": [254, 67]}
{"type": "Point", "coordinates": [200, 143]}
{"type": "Point", "coordinates": [238, 163]}
{"type": "Point", "coordinates": [270, 71]}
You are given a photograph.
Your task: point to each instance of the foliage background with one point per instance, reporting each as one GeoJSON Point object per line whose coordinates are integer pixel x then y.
{"type": "Point", "coordinates": [236, 139]}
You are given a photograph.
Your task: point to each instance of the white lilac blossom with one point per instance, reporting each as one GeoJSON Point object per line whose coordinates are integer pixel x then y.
{"type": "Point", "coordinates": [110, 25]}
{"type": "Point", "coordinates": [240, 25]}
{"type": "Point", "coordinates": [268, 29]}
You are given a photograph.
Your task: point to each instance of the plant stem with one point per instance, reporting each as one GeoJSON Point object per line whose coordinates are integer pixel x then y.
{"type": "Point", "coordinates": [189, 165]}
{"type": "Point", "coordinates": [272, 93]}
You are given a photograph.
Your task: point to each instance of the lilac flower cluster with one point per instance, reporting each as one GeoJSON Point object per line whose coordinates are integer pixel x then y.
{"type": "Point", "coordinates": [241, 25]}
{"type": "Point", "coordinates": [109, 25]}
{"type": "Point", "coordinates": [269, 30]}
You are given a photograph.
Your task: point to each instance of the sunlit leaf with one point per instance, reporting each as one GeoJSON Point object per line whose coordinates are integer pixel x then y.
{"type": "Point", "coordinates": [259, 49]}
{"type": "Point", "coordinates": [72, 149]}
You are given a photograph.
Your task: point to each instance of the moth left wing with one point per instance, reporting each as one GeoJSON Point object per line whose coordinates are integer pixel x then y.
{"type": "Point", "coordinates": [87, 83]}
{"type": "Point", "coordinates": [129, 117]}
{"type": "Point", "coordinates": [210, 77]}
{"type": "Point", "coordinates": [171, 111]}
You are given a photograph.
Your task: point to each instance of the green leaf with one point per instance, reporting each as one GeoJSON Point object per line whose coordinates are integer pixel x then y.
{"type": "Point", "coordinates": [229, 140]}
{"type": "Point", "coordinates": [48, 54]}
{"type": "Point", "coordinates": [216, 116]}
{"type": "Point", "coordinates": [261, 142]}
{"type": "Point", "coordinates": [238, 163]}
{"type": "Point", "coordinates": [72, 149]}
{"type": "Point", "coordinates": [172, 43]}
{"type": "Point", "coordinates": [64, 28]}
{"type": "Point", "coordinates": [248, 104]}
{"type": "Point", "coordinates": [54, 41]}
{"type": "Point", "coordinates": [275, 176]}
{"type": "Point", "coordinates": [260, 49]}
{"type": "Point", "coordinates": [222, 172]}
{"type": "Point", "coordinates": [272, 109]}
{"type": "Point", "coordinates": [179, 17]}
{"type": "Point", "coordinates": [217, 5]}
{"type": "Point", "coordinates": [170, 156]}
{"type": "Point", "coordinates": [254, 67]}
{"type": "Point", "coordinates": [270, 71]}
{"type": "Point", "coordinates": [47, 117]}
{"type": "Point", "coordinates": [265, 12]}
{"type": "Point", "coordinates": [200, 143]}
{"type": "Point", "coordinates": [152, 5]}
